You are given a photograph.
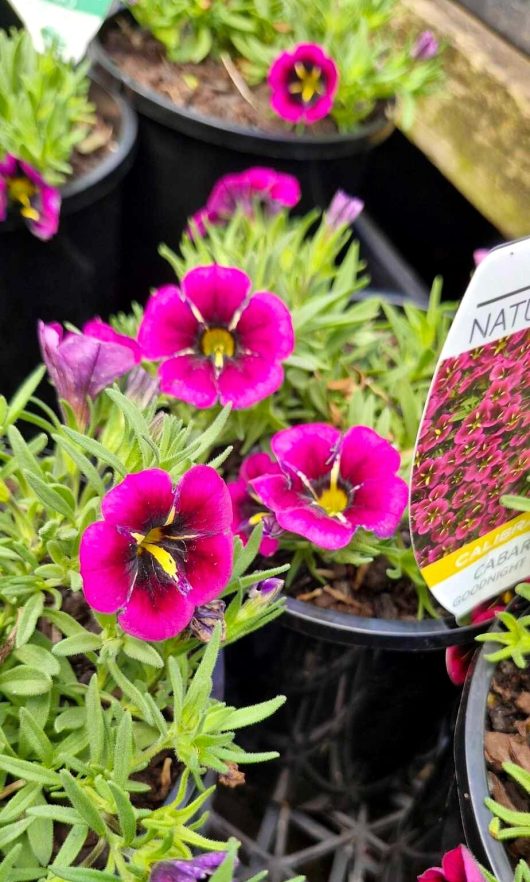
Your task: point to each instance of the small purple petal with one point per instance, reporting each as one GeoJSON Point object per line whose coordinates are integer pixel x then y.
{"type": "Point", "coordinates": [105, 557]}
{"type": "Point", "coordinates": [425, 47]}
{"type": "Point", "coordinates": [141, 501]}
{"type": "Point", "coordinates": [186, 871]}
{"type": "Point", "coordinates": [168, 325]}
{"type": "Point", "coordinates": [218, 292]}
{"type": "Point", "coordinates": [343, 210]}
{"type": "Point", "coordinates": [156, 615]}
{"type": "Point", "coordinates": [189, 378]}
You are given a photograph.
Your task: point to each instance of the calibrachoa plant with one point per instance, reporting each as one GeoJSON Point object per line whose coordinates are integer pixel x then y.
{"type": "Point", "coordinates": [45, 114]}
{"type": "Point", "coordinates": [326, 391]}
{"type": "Point", "coordinates": [331, 59]}
{"type": "Point", "coordinates": [475, 421]}
{"type": "Point", "coordinates": [120, 579]}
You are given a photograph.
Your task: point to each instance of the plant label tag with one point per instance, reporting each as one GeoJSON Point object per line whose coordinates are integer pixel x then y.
{"type": "Point", "coordinates": [473, 443]}
{"type": "Point", "coordinates": [71, 23]}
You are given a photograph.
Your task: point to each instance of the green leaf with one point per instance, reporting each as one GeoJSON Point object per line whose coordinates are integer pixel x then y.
{"type": "Point", "coordinates": [13, 831]}
{"type": "Point", "coordinates": [142, 652]}
{"type": "Point", "coordinates": [39, 658]}
{"type": "Point", "coordinates": [82, 874]}
{"type": "Point", "coordinates": [8, 862]}
{"type": "Point", "coordinates": [20, 803]}
{"type": "Point", "coordinates": [82, 803]}
{"type": "Point", "coordinates": [50, 495]}
{"type": "Point", "coordinates": [130, 690]}
{"type": "Point", "coordinates": [23, 394]}
{"type": "Point", "coordinates": [40, 835]}
{"type": "Point", "coordinates": [245, 554]}
{"type": "Point", "coordinates": [84, 465]}
{"type": "Point", "coordinates": [29, 616]}
{"type": "Point", "coordinates": [60, 813]}
{"type": "Point", "coordinates": [78, 644]}
{"type": "Point", "coordinates": [95, 722]}
{"type": "Point", "coordinates": [36, 737]}
{"type": "Point", "coordinates": [94, 448]}
{"type": "Point", "coordinates": [126, 814]}
{"type": "Point", "coordinates": [123, 750]}
{"type": "Point", "coordinates": [248, 716]}
{"type": "Point", "coordinates": [71, 846]}
{"type": "Point", "coordinates": [29, 771]}
{"type": "Point", "coordinates": [26, 461]}
{"type": "Point", "coordinates": [23, 680]}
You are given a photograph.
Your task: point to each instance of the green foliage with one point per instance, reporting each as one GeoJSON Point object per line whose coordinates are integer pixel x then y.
{"type": "Point", "coordinates": [84, 707]}
{"type": "Point", "coordinates": [44, 106]}
{"type": "Point", "coordinates": [515, 639]}
{"type": "Point", "coordinates": [374, 64]}
{"type": "Point", "coordinates": [508, 823]}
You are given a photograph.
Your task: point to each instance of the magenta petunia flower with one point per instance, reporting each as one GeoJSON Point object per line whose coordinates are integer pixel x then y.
{"type": "Point", "coordinates": [458, 865]}
{"type": "Point", "coordinates": [258, 186]}
{"type": "Point", "coordinates": [82, 365]}
{"type": "Point", "coordinates": [23, 189]}
{"type": "Point", "coordinates": [343, 210]}
{"type": "Point", "coordinates": [218, 342]}
{"type": "Point", "coordinates": [199, 867]}
{"type": "Point", "coordinates": [303, 84]}
{"type": "Point", "coordinates": [479, 255]}
{"type": "Point", "coordinates": [332, 484]}
{"type": "Point", "coordinates": [425, 47]}
{"type": "Point", "coordinates": [160, 551]}
{"type": "Point", "coordinates": [247, 507]}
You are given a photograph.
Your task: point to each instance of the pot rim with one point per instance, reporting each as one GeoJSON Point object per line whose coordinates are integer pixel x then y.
{"type": "Point", "coordinates": [227, 134]}
{"type": "Point", "coordinates": [350, 630]}
{"type": "Point", "coordinates": [470, 764]}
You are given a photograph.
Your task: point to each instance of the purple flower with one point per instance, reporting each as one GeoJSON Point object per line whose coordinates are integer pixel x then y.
{"type": "Point", "coordinates": [425, 47]}
{"type": "Point", "coordinates": [160, 551]}
{"type": "Point", "coordinates": [199, 867]}
{"type": "Point", "coordinates": [82, 365]}
{"type": "Point", "coordinates": [458, 865]}
{"type": "Point", "coordinates": [343, 211]}
{"type": "Point", "coordinates": [24, 189]}
{"type": "Point", "coordinates": [332, 484]}
{"type": "Point", "coordinates": [219, 342]}
{"type": "Point", "coordinates": [303, 83]}
{"type": "Point", "coordinates": [269, 189]}
{"type": "Point", "coordinates": [247, 507]}
{"type": "Point", "coordinates": [267, 591]}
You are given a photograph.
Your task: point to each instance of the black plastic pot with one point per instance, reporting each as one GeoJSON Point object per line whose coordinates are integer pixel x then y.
{"type": "Point", "coordinates": [182, 153]}
{"type": "Point", "coordinates": [471, 771]}
{"type": "Point", "coordinates": [75, 275]}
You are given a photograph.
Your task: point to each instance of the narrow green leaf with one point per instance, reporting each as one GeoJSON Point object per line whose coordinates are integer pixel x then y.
{"type": "Point", "coordinates": [142, 652]}
{"type": "Point", "coordinates": [78, 644]}
{"type": "Point", "coordinates": [23, 680]}
{"type": "Point", "coordinates": [60, 813]}
{"type": "Point", "coordinates": [40, 835]}
{"type": "Point", "coordinates": [82, 874]}
{"type": "Point", "coordinates": [82, 803]}
{"type": "Point", "coordinates": [51, 498]}
{"type": "Point", "coordinates": [71, 846]}
{"type": "Point", "coordinates": [8, 862]}
{"type": "Point", "coordinates": [126, 813]}
{"type": "Point", "coordinates": [29, 771]}
{"type": "Point", "coordinates": [245, 554]}
{"type": "Point", "coordinates": [13, 831]}
{"type": "Point", "coordinates": [38, 657]}
{"type": "Point", "coordinates": [29, 616]}
{"type": "Point", "coordinates": [36, 737]}
{"type": "Point", "coordinates": [123, 750]}
{"type": "Point", "coordinates": [94, 448]}
{"type": "Point", "coordinates": [95, 722]}
{"type": "Point", "coordinates": [23, 394]}
{"type": "Point", "coordinates": [247, 716]}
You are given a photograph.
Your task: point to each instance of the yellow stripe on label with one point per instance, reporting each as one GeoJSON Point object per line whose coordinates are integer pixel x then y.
{"type": "Point", "coordinates": [459, 560]}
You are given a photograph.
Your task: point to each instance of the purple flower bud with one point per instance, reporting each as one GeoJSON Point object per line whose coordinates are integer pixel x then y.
{"type": "Point", "coordinates": [141, 388]}
{"type": "Point", "coordinates": [267, 591]}
{"type": "Point", "coordinates": [82, 365]}
{"type": "Point", "coordinates": [344, 210]}
{"type": "Point", "coordinates": [205, 619]}
{"type": "Point", "coordinates": [425, 47]}
{"type": "Point", "coordinates": [197, 868]}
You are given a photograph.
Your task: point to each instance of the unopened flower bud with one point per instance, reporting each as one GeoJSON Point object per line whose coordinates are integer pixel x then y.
{"type": "Point", "coordinates": [266, 591]}
{"type": "Point", "coordinates": [206, 618]}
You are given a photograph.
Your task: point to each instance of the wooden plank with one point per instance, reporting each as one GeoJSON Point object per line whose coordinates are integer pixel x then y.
{"type": "Point", "coordinates": [476, 127]}
{"type": "Point", "coordinates": [511, 18]}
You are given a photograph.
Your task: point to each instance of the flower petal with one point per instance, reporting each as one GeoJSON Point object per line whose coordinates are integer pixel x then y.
{"type": "Point", "coordinates": [209, 566]}
{"type": "Point", "coordinates": [203, 502]}
{"type": "Point", "coordinates": [365, 454]}
{"type": "Point", "coordinates": [258, 464]}
{"type": "Point", "coordinates": [189, 379]}
{"type": "Point", "coordinates": [105, 562]}
{"type": "Point", "coordinates": [102, 331]}
{"type": "Point", "coordinates": [248, 379]}
{"type": "Point", "coordinates": [168, 325]}
{"type": "Point", "coordinates": [379, 505]}
{"type": "Point", "coordinates": [217, 292]}
{"type": "Point", "coordinates": [276, 492]}
{"type": "Point", "coordinates": [309, 448]}
{"type": "Point", "coordinates": [459, 865]}
{"type": "Point", "coordinates": [266, 327]}
{"type": "Point", "coordinates": [315, 525]}
{"type": "Point", "coordinates": [156, 615]}
{"type": "Point", "coordinates": [142, 501]}
{"type": "Point", "coordinates": [457, 661]}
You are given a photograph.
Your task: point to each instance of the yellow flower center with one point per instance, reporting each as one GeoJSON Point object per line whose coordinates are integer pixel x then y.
{"type": "Point", "coordinates": [150, 543]}
{"type": "Point", "coordinates": [333, 500]}
{"type": "Point", "coordinates": [21, 190]}
{"type": "Point", "coordinates": [219, 344]}
{"type": "Point", "coordinates": [309, 82]}
{"type": "Point", "coordinates": [257, 518]}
